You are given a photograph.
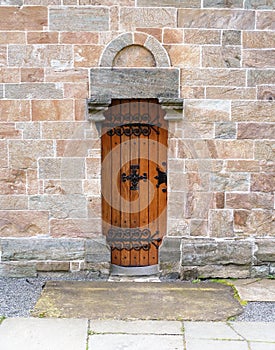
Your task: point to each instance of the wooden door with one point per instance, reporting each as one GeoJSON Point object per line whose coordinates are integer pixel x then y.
{"type": "Point", "coordinates": [134, 182]}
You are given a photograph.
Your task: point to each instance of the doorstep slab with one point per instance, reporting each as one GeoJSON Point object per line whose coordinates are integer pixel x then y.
{"type": "Point", "coordinates": [137, 301]}
{"type": "Point", "coordinates": [43, 334]}
{"type": "Point", "coordinates": [210, 330]}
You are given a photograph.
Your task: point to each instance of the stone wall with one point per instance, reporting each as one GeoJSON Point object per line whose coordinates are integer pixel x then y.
{"type": "Point", "coordinates": [221, 154]}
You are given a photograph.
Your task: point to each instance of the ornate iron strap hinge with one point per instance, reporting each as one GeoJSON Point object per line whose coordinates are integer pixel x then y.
{"type": "Point", "coordinates": [162, 179]}
{"type": "Point", "coordinates": [134, 177]}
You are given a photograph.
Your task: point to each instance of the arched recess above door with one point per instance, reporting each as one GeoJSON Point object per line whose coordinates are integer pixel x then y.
{"type": "Point", "coordinates": [145, 41]}
{"type": "Point", "coordinates": [114, 81]}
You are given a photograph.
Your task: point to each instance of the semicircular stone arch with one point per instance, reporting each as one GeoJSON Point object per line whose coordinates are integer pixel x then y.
{"type": "Point", "coordinates": [137, 39]}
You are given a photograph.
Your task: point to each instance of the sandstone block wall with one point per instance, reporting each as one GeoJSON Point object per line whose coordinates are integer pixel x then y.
{"type": "Point", "coordinates": [221, 154]}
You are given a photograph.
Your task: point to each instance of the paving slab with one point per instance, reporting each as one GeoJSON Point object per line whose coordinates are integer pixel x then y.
{"type": "Point", "coordinates": [256, 331]}
{"type": "Point", "coordinates": [43, 334]}
{"type": "Point", "coordinates": [135, 342]}
{"type": "Point", "coordinates": [262, 346]}
{"type": "Point", "coordinates": [256, 289]}
{"type": "Point", "coordinates": [137, 327]}
{"type": "Point", "coordinates": [210, 330]}
{"type": "Point", "coordinates": [138, 301]}
{"type": "Point", "coordinates": [208, 344]}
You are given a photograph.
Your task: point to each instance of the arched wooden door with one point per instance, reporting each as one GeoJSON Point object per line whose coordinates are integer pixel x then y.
{"type": "Point", "coordinates": [134, 183]}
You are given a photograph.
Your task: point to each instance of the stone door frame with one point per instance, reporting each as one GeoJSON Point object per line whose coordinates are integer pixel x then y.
{"type": "Point", "coordinates": [162, 82]}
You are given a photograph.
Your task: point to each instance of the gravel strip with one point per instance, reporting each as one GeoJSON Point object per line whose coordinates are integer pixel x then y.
{"type": "Point", "coordinates": [19, 295]}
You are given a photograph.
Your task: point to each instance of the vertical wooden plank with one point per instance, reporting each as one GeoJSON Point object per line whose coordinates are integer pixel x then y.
{"type": "Point", "coordinates": [125, 186]}
{"type": "Point", "coordinates": [153, 208]}
{"type": "Point", "coordinates": [115, 191]}
{"type": "Point", "coordinates": [144, 188]}
{"type": "Point", "coordinates": [162, 163]}
{"type": "Point", "coordinates": [134, 194]}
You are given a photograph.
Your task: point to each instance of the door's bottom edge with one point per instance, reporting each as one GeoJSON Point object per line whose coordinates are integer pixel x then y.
{"type": "Point", "coordinates": [117, 270]}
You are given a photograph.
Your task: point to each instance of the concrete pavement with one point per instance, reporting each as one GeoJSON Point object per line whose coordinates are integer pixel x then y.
{"type": "Point", "coordinates": [84, 334]}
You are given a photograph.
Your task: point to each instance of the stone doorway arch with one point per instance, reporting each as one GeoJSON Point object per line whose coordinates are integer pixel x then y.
{"type": "Point", "coordinates": [135, 66]}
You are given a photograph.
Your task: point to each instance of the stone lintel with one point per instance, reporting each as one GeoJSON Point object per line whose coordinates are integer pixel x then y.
{"type": "Point", "coordinates": [133, 83]}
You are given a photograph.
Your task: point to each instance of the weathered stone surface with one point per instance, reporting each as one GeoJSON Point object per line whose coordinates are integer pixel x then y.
{"type": "Point", "coordinates": [184, 55]}
{"type": "Point", "coordinates": [64, 130]}
{"type": "Point", "coordinates": [76, 148]}
{"type": "Point", "coordinates": [266, 92]}
{"type": "Point", "coordinates": [87, 55]}
{"type": "Point", "coordinates": [225, 130]}
{"type": "Point", "coordinates": [24, 154]}
{"type": "Point", "coordinates": [258, 39]}
{"type": "Point", "coordinates": [23, 18]}
{"type": "Point", "coordinates": [131, 83]}
{"type": "Point", "coordinates": [59, 56]}
{"type": "Point", "coordinates": [79, 19]}
{"type": "Point", "coordinates": [134, 56]}
{"type": "Point", "coordinates": [1, 91]}
{"type": "Point", "coordinates": [216, 271]}
{"type": "Point", "coordinates": [261, 271]}
{"type": "Point", "coordinates": [32, 75]}
{"type": "Point", "coordinates": [198, 252]}
{"type": "Point", "coordinates": [223, 57]}
{"type": "Point", "coordinates": [202, 37]}
{"type": "Point", "coordinates": [132, 18]}
{"type": "Point", "coordinates": [107, 2]}
{"type": "Point", "coordinates": [230, 182]}
{"type": "Point", "coordinates": [169, 3]}
{"type": "Point", "coordinates": [52, 266]}
{"type": "Point", "coordinates": [231, 37]}
{"type": "Point", "coordinates": [253, 111]}
{"type": "Point", "coordinates": [14, 110]}
{"type": "Point", "coordinates": [76, 75]}
{"type": "Point", "coordinates": [79, 38]}
{"type": "Point", "coordinates": [12, 2]}
{"type": "Point", "coordinates": [256, 131]}
{"type": "Point", "coordinates": [259, 58]}
{"type": "Point", "coordinates": [198, 227]}
{"type": "Point", "coordinates": [172, 36]}
{"type": "Point", "coordinates": [223, 3]}
{"type": "Point", "coordinates": [24, 223]}
{"type": "Point", "coordinates": [42, 37]}
{"type": "Point", "coordinates": [230, 149]}
{"type": "Point", "coordinates": [62, 187]}
{"type": "Point", "coordinates": [17, 269]}
{"type": "Point", "coordinates": [97, 250]}
{"type": "Point", "coordinates": [263, 182]}
{"type": "Point", "coordinates": [265, 150]}
{"type": "Point", "coordinates": [249, 201]}
{"type": "Point", "coordinates": [61, 206]}
{"type": "Point", "coordinates": [265, 20]}
{"type": "Point", "coordinates": [9, 131]}
{"type": "Point", "coordinates": [29, 130]}
{"type": "Point", "coordinates": [3, 154]}
{"type": "Point", "coordinates": [62, 168]}
{"type": "Point", "coordinates": [9, 75]}
{"type": "Point", "coordinates": [207, 111]}
{"type": "Point", "coordinates": [52, 110]}
{"type": "Point", "coordinates": [212, 77]}
{"type": "Point", "coordinates": [42, 249]}
{"type": "Point", "coordinates": [260, 76]}
{"type": "Point", "coordinates": [12, 181]}
{"type": "Point", "coordinates": [247, 166]}
{"type": "Point", "coordinates": [266, 250]}
{"type": "Point", "coordinates": [170, 250]}
{"type": "Point", "coordinates": [33, 91]}
{"type": "Point", "coordinates": [221, 223]}
{"type": "Point", "coordinates": [10, 202]}
{"type": "Point", "coordinates": [218, 19]}
{"type": "Point", "coordinates": [254, 222]}
{"type": "Point", "coordinates": [259, 4]}
{"type": "Point", "coordinates": [230, 93]}
{"type": "Point", "coordinates": [76, 228]}
{"type": "Point", "coordinates": [10, 37]}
